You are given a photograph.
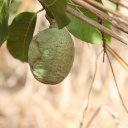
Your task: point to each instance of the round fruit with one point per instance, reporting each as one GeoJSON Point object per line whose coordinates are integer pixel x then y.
{"type": "Point", "coordinates": [51, 55]}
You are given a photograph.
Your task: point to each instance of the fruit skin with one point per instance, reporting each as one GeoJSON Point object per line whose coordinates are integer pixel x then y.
{"type": "Point", "coordinates": [51, 55]}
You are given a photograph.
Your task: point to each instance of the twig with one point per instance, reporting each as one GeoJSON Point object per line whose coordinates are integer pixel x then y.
{"type": "Point", "coordinates": [103, 39]}
{"type": "Point", "coordinates": [125, 108]}
{"type": "Point", "coordinates": [119, 3]}
{"type": "Point", "coordinates": [112, 20]}
{"type": "Point", "coordinates": [89, 93]}
{"type": "Point", "coordinates": [100, 6]}
{"type": "Point", "coordinates": [96, 25]}
{"type": "Point", "coordinates": [117, 57]}
{"type": "Point", "coordinates": [114, 53]}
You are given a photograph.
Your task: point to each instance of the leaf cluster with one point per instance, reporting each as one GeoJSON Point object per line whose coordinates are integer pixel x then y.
{"type": "Point", "coordinates": [20, 32]}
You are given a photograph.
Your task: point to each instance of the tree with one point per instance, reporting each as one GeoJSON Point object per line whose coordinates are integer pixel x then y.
{"type": "Point", "coordinates": [22, 27]}
{"type": "Point", "coordinates": [90, 21]}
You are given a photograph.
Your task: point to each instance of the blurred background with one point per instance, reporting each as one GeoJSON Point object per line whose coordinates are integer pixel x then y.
{"type": "Point", "coordinates": [26, 103]}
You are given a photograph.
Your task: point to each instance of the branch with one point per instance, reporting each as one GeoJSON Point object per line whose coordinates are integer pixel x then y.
{"type": "Point", "coordinates": [96, 25]}
{"type": "Point", "coordinates": [122, 25]}
{"type": "Point", "coordinates": [117, 57]}
{"type": "Point", "coordinates": [100, 6]}
{"type": "Point", "coordinates": [117, 87]}
{"type": "Point", "coordinates": [89, 92]}
{"type": "Point", "coordinates": [120, 3]}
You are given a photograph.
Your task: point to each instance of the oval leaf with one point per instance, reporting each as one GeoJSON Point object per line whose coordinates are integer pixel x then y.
{"type": "Point", "coordinates": [4, 13]}
{"type": "Point", "coordinates": [20, 35]}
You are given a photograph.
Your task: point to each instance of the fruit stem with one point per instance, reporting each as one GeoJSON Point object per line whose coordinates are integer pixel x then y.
{"type": "Point", "coordinates": [52, 22]}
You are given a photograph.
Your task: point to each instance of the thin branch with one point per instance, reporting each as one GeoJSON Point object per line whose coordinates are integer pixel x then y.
{"type": "Point", "coordinates": [89, 93]}
{"type": "Point", "coordinates": [112, 20]}
{"type": "Point", "coordinates": [117, 57]}
{"type": "Point", "coordinates": [125, 108]}
{"type": "Point", "coordinates": [96, 25]}
{"type": "Point", "coordinates": [103, 39]}
{"type": "Point", "coordinates": [120, 3]}
{"type": "Point", "coordinates": [100, 6]}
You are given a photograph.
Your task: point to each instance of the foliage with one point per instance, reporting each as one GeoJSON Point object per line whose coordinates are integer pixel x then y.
{"type": "Point", "coordinates": [20, 33]}
{"type": "Point", "coordinates": [4, 13]}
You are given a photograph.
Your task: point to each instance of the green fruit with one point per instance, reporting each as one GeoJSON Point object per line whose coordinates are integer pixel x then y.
{"type": "Point", "coordinates": [51, 55]}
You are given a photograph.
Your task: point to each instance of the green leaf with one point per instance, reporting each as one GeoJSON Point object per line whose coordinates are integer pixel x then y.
{"type": "Point", "coordinates": [84, 31]}
{"type": "Point", "coordinates": [4, 14]}
{"type": "Point", "coordinates": [98, 1]}
{"type": "Point", "coordinates": [20, 35]}
{"type": "Point", "coordinates": [48, 2]}
{"type": "Point", "coordinates": [58, 12]}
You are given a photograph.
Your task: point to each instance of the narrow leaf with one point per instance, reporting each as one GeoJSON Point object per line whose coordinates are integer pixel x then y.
{"type": "Point", "coordinates": [20, 35]}
{"type": "Point", "coordinates": [4, 14]}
